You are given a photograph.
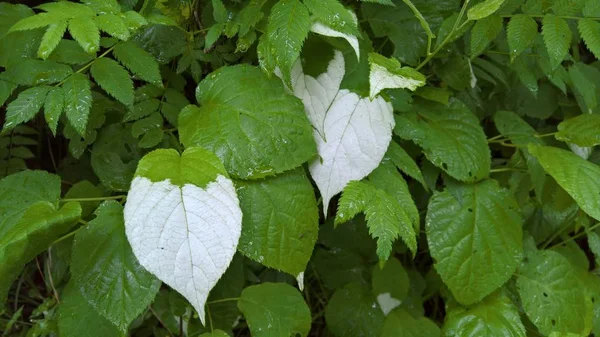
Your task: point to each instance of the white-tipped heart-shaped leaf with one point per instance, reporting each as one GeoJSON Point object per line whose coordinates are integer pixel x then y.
{"type": "Point", "coordinates": [321, 28]}
{"type": "Point", "coordinates": [387, 73]}
{"type": "Point", "coordinates": [352, 133]}
{"type": "Point", "coordinates": [183, 220]}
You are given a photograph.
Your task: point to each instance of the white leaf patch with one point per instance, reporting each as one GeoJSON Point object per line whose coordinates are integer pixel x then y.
{"type": "Point", "coordinates": [352, 133]}
{"type": "Point", "coordinates": [186, 236]}
{"type": "Point", "coordinates": [325, 30]}
{"type": "Point", "coordinates": [387, 73]}
{"type": "Point", "coordinates": [387, 303]}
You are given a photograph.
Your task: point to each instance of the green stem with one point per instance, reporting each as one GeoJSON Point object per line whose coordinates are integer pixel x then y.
{"type": "Point", "coordinates": [87, 65]}
{"type": "Point", "coordinates": [495, 138]}
{"type": "Point", "coordinates": [558, 16]}
{"type": "Point", "coordinates": [423, 22]}
{"type": "Point", "coordinates": [577, 236]}
{"type": "Point", "coordinates": [456, 27]}
{"type": "Point", "coordinates": [506, 169]}
{"type": "Point", "coordinates": [223, 300]}
{"type": "Point", "coordinates": [114, 197]}
{"type": "Point", "coordinates": [546, 135]}
{"type": "Point", "coordinates": [66, 236]}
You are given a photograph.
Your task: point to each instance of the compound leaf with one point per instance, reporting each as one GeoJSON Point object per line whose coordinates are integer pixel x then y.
{"type": "Point", "coordinates": [51, 38]}
{"type": "Point", "coordinates": [139, 62]}
{"type": "Point", "coordinates": [483, 33]}
{"type": "Point", "coordinates": [25, 106]}
{"type": "Point", "coordinates": [78, 101]}
{"type": "Point", "coordinates": [557, 37]}
{"type": "Point", "coordinates": [86, 33]}
{"type": "Point", "coordinates": [590, 33]}
{"type": "Point", "coordinates": [484, 9]}
{"type": "Point", "coordinates": [522, 30]}
{"type": "Point", "coordinates": [114, 79]}
{"type": "Point", "coordinates": [288, 27]}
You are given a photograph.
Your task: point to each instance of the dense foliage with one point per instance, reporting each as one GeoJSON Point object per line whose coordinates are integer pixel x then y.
{"type": "Point", "coordinates": [279, 168]}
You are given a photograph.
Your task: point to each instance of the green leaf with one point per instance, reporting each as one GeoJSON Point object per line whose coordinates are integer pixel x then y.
{"type": "Point", "coordinates": [521, 133]}
{"type": "Point", "coordinates": [51, 38]}
{"type": "Point", "coordinates": [583, 83]}
{"type": "Point", "coordinates": [85, 189]}
{"type": "Point", "coordinates": [53, 107]}
{"type": "Point", "coordinates": [590, 33]}
{"type": "Point", "coordinates": [404, 162]}
{"type": "Point", "coordinates": [557, 37]}
{"type": "Point", "coordinates": [134, 20]}
{"type": "Point", "coordinates": [579, 177]}
{"type": "Point", "coordinates": [249, 16]}
{"type": "Point", "coordinates": [404, 29]}
{"type": "Point", "coordinates": [390, 284]}
{"type": "Point", "coordinates": [381, 2]}
{"type": "Point", "coordinates": [352, 311]}
{"type": "Point", "coordinates": [522, 30]}
{"type": "Point", "coordinates": [288, 27]}
{"type": "Point", "coordinates": [103, 6]}
{"type": "Point", "coordinates": [334, 15]}
{"type": "Point", "coordinates": [86, 33]}
{"type": "Point", "coordinates": [280, 222]}
{"type": "Point", "coordinates": [25, 106]}
{"type": "Point", "coordinates": [213, 34]}
{"type": "Point", "coordinates": [591, 8]}
{"type": "Point", "coordinates": [256, 128]}
{"type": "Point", "coordinates": [552, 294]}
{"type": "Point", "coordinates": [34, 21]}
{"type": "Point", "coordinates": [78, 101]}
{"type": "Point", "coordinates": [451, 138]}
{"type": "Point", "coordinates": [77, 318]}
{"type": "Point", "coordinates": [484, 9]}
{"type": "Point", "coordinates": [495, 316]}
{"type": "Point", "coordinates": [36, 72]}
{"type": "Point", "coordinates": [113, 25]}
{"type": "Point", "coordinates": [70, 52]}
{"type": "Point", "coordinates": [139, 62]}
{"type": "Point", "coordinates": [114, 79]}
{"type": "Point", "coordinates": [386, 73]}
{"type": "Point", "coordinates": [6, 89]}
{"type": "Point", "coordinates": [483, 33]}
{"type": "Point", "coordinates": [39, 226]}
{"type": "Point", "coordinates": [162, 42]}
{"type": "Point", "coordinates": [275, 310]}
{"type": "Point", "coordinates": [67, 9]}
{"type": "Point", "coordinates": [115, 156]}
{"type": "Point", "coordinates": [219, 11]}
{"type": "Point", "coordinates": [101, 252]}
{"type": "Point", "coordinates": [215, 333]}
{"type": "Point", "coordinates": [583, 130]}
{"type": "Point", "coordinates": [475, 236]}
{"type": "Point", "coordinates": [23, 189]}
{"type": "Point", "coordinates": [201, 221]}
{"type": "Point", "coordinates": [400, 323]}
{"type": "Point", "coordinates": [386, 217]}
